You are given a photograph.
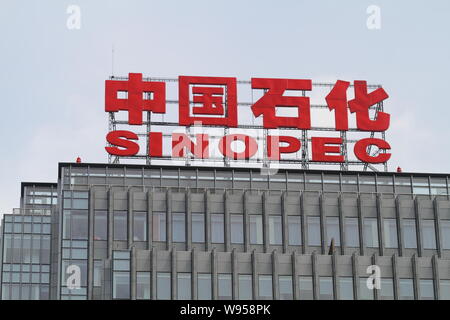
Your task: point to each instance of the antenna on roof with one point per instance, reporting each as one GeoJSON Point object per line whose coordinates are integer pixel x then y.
{"type": "Point", "coordinates": [112, 61]}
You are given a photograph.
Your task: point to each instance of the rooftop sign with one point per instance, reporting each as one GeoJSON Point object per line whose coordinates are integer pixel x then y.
{"type": "Point", "coordinates": [201, 120]}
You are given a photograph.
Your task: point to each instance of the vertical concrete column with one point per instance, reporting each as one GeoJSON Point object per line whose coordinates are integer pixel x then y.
{"type": "Point", "coordinates": [265, 222]}
{"type": "Point", "coordinates": [355, 274]}
{"type": "Point", "coordinates": [207, 221]}
{"type": "Point", "coordinates": [323, 231]}
{"type": "Point", "coordinates": [255, 275]}
{"type": "Point", "coordinates": [173, 269]}
{"type": "Point", "coordinates": [315, 276]}
{"type": "Point", "coordinates": [394, 262]}
{"type": "Point", "coordinates": [188, 209]}
{"type": "Point", "coordinates": [418, 227]}
{"type": "Point", "coordinates": [133, 269]}
{"type": "Point", "coordinates": [334, 272]}
{"type": "Point", "coordinates": [295, 273]}
{"type": "Point", "coordinates": [234, 278]}
{"type": "Point", "coordinates": [149, 219]}
{"type": "Point", "coordinates": [275, 283]}
{"type": "Point", "coordinates": [378, 202]}
{"type": "Point", "coordinates": [436, 277]}
{"type": "Point", "coordinates": [415, 270]}
{"type": "Point", "coordinates": [303, 224]}
{"type": "Point", "coordinates": [227, 223]}
{"type": "Point", "coordinates": [360, 226]}
{"type": "Point", "coordinates": [399, 226]}
{"type": "Point", "coordinates": [284, 221]}
{"type": "Point", "coordinates": [437, 226]}
{"type": "Point", "coordinates": [153, 270]}
{"type": "Point", "coordinates": [194, 274]}
{"type": "Point", "coordinates": [341, 224]}
{"type": "Point", "coordinates": [130, 217]}
{"type": "Point", "coordinates": [90, 243]}
{"type": "Point", "coordinates": [110, 222]}
{"type": "Point", "coordinates": [169, 219]}
{"type": "Point", "coordinates": [214, 274]}
{"type": "Point", "coordinates": [246, 224]}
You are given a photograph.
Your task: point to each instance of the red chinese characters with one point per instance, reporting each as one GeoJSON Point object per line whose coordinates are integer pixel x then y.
{"type": "Point", "coordinates": [214, 98]}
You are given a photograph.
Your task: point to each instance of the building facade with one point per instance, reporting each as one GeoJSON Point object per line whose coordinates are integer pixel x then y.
{"type": "Point", "coordinates": [117, 231]}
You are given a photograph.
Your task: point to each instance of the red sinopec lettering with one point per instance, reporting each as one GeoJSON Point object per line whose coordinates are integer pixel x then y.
{"type": "Point", "coordinates": [321, 147]}
{"type": "Point", "coordinates": [360, 150]}
{"type": "Point", "coordinates": [181, 142]}
{"type": "Point", "coordinates": [122, 138]}
{"type": "Point", "coordinates": [251, 147]}
{"type": "Point", "coordinates": [274, 149]}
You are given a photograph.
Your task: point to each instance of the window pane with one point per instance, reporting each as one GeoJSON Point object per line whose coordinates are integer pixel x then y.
{"type": "Point", "coordinates": [351, 232]}
{"type": "Point", "coordinates": [370, 233]}
{"type": "Point", "coordinates": [256, 229]}
{"type": "Point", "coordinates": [184, 286]}
{"type": "Point", "coordinates": [305, 284]}
{"type": "Point", "coordinates": [429, 235]}
{"type": "Point", "coordinates": [445, 233]}
{"type": "Point", "coordinates": [163, 291]}
{"type": "Point", "coordinates": [98, 273]}
{"type": "Point", "coordinates": [237, 228]}
{"type": "Point", "coordinates": [406, 291]}
{"type": "Point", "coordinates": [332, 226]}
{"type": "Point", "coordinates": [245, 287]}
{"type": "Point", "coordinates": [426, 289]}
{"type": "Point", "coordinates": [143, 285]}
{"type": "Point", "coordinates": [387, 289]}
{"type": "Point", "coordinates": [265, 287]}
{"type": "Point", "coordinates": [120, 225]}
{"type": "Point", "coordinates": [178, 227]}
{"type": "Point", "coordinates": [390, 233]}
{"type": "Point", "coordinates": [294, 230]}
{"type": "Point", "coordinates": [140, 226]}
{"type": "Point", "coordinates": [224, 286]}
{"type": "Point", "coordinates": [409, 233]}
{"type": "Point", "coordinates": [198, 227]}
{"type": "Point", "coordinates": [121, 285]}
{"type": "Point", "coordinates": [313, 231]}
{"type": "Point", "coordinates": [159, 226]}
{"type": "Point", "coordinates": [100, 225]}
{"type": "Point", "coordinates": [79, 225]}
{"type": "Point", "coordinates": [204, 286]}
{"type": "Point", "coordinates": [445, 289]}
{"type": "Point", "coordinates": [217, 228]}
{"type": "Point", "coordinates": [346, 288]}
{"type": "Point", "coordinates": [364, 292]}
{"type": "Point", "coordinates": [325, 288]}
{"type": "Point", "coordinates": [275, 230]}
{"type": "Point", "coordinates": [285, 285]}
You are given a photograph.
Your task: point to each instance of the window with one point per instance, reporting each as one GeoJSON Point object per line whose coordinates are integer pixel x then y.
{"type": "Point", "coordinates": [256, 236]}
{"type": "Point", "coordinates": [390, 233]}
{"type": "Point", "coordinates": [429, 235]}
{"type": "Point", "coordinates": [286, 289]}
{"type": "Point", "coordinates": [198, 227]}
{"type": "Point", "coordinates": [224, 286]}
{"type": "Point", "coordinates": [184, 286]}
{"type": "Point", "coordinates": [326, 288]}
{"type": "Point", "coordinates": [75, 224]}
{"type": "Point", "coordinates": [387, 289]}
{"type": "Point", "coordinates": [333, 230]}
{"type": "Point", "coordinates": [121, 285]}
{"type": "Point", "coordinates": [313, 231]}
{"type": "Point", "coordinates": [275, 230]}
{"type": "Point", "coordinates": [217, 228]}
{"type": "Point", "coordinates": [346, 288]}
{"type": "Point", "coordinates": [204, 286]}
{"type": "Point", "coordinates": [159, 226]}
{"type": "Point", "coordinates": [406, 291]}
{"type": "Point", "coordinates": [98, 273]}
{"type": "Point", "coordinates": [294, 230]}
{"type": "Point", "coordinates": [163, 290]}
{"type": "Point", "coordinates": [143, 285]}
{"type": "Point", "coordinates": [178, 227]}
{"type": "Point", "coordinates": [305, 284]}
{"type": "Point", "coordinates": [364, 292]}
{"type": "Point", "coordinates": [445, 289]}
{"type": "Point", "coordinates": [409, 233]}
{"type": "Point", "coordinates": [120, 225]}
{"type": "Point", "coordinates": [445, 233]}
{"type": "Point", "coordinates": [351, 232]}
{"type": "Point", "coordinates": [140, 226]}
{"type": "Point", "coordinates": [245, 287]}
{"type": "Point", "coordinates": [370, 233]}
{"type": "Point", "coordinates": [237, 228]}
{"type": "Point", "coordinates": [265, 287]}
{"type": "Point", "coordinates": [426, 289]}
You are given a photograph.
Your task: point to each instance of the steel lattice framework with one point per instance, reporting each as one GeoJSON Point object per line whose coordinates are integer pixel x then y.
{"type": "Point", "coordinates": [301, 159]}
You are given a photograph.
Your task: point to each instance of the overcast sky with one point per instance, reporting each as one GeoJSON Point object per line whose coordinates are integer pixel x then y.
{"type": "Point", "coordinates": [52, 78]}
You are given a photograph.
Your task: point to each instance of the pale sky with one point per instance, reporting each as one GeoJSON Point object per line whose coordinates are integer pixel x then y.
{"type": "Point", "coordinates": [52, 78]}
